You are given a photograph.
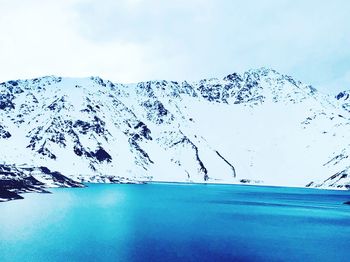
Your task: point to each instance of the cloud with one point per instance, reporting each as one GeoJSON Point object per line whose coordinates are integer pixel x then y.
{"type": "Point", "coordinates": [134, 40]}
{"type": "Point", "coordinates": [336, 85]}
{"type": "Point", "coordinates": [39, 38]}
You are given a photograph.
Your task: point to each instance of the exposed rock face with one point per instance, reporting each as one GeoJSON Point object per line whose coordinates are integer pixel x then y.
{"type": "Point", "coordinates": [16, 180]}
{"type": "Point", "coordinates": [258, 127]}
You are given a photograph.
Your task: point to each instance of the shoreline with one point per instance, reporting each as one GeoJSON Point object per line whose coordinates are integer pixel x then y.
{"type": "Point", "coordinates": [10, 195]}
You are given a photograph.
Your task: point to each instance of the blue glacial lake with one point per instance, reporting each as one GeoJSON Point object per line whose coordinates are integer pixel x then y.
{"type": "Point", "coordinates": [175, 222]}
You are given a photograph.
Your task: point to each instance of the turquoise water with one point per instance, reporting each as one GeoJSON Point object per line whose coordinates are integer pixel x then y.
{"type": "Point", "coordinates": [175, 222]}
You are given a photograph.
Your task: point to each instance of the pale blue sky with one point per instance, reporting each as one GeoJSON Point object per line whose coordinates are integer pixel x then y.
{"type": "Point", "coordinates": [136, 40]}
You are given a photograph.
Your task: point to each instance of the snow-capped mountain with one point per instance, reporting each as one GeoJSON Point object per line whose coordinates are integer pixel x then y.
{"type": "Point", "coordinates": [258, 127]}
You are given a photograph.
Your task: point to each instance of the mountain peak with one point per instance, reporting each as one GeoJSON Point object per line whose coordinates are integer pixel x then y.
{"type": "Point", "coordinates": [255, 126]}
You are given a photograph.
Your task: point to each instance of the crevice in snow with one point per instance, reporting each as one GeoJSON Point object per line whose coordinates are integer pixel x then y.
{"type": "Point", "coordinates": [227, 162]}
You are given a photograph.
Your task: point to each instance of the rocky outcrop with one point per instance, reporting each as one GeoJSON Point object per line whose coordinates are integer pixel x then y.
{"type": "Point", "coordinates": [17, 180]}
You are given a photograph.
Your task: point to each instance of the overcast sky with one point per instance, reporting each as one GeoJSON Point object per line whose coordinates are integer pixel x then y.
{"type": "Point", "coordinates": [137, 40]}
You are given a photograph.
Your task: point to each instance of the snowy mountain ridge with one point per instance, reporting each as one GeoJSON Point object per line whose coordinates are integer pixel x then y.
{"type": "Point", "coordinates": [259, 127]}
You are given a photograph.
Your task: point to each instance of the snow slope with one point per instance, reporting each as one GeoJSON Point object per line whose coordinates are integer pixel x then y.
{"type": "Point", "coordinates": [260, 127]}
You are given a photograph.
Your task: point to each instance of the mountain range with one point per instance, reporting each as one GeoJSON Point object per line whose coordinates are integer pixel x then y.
{"type": "Point", "coordinates": [260, 127]}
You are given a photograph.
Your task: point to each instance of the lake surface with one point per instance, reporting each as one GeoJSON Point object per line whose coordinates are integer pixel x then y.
{"type": "Point", "coordinates": [176, 222]}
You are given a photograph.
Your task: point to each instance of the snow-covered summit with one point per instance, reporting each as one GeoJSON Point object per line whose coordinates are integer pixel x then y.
{"type": "Point", "coordinates": [257, 127]}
